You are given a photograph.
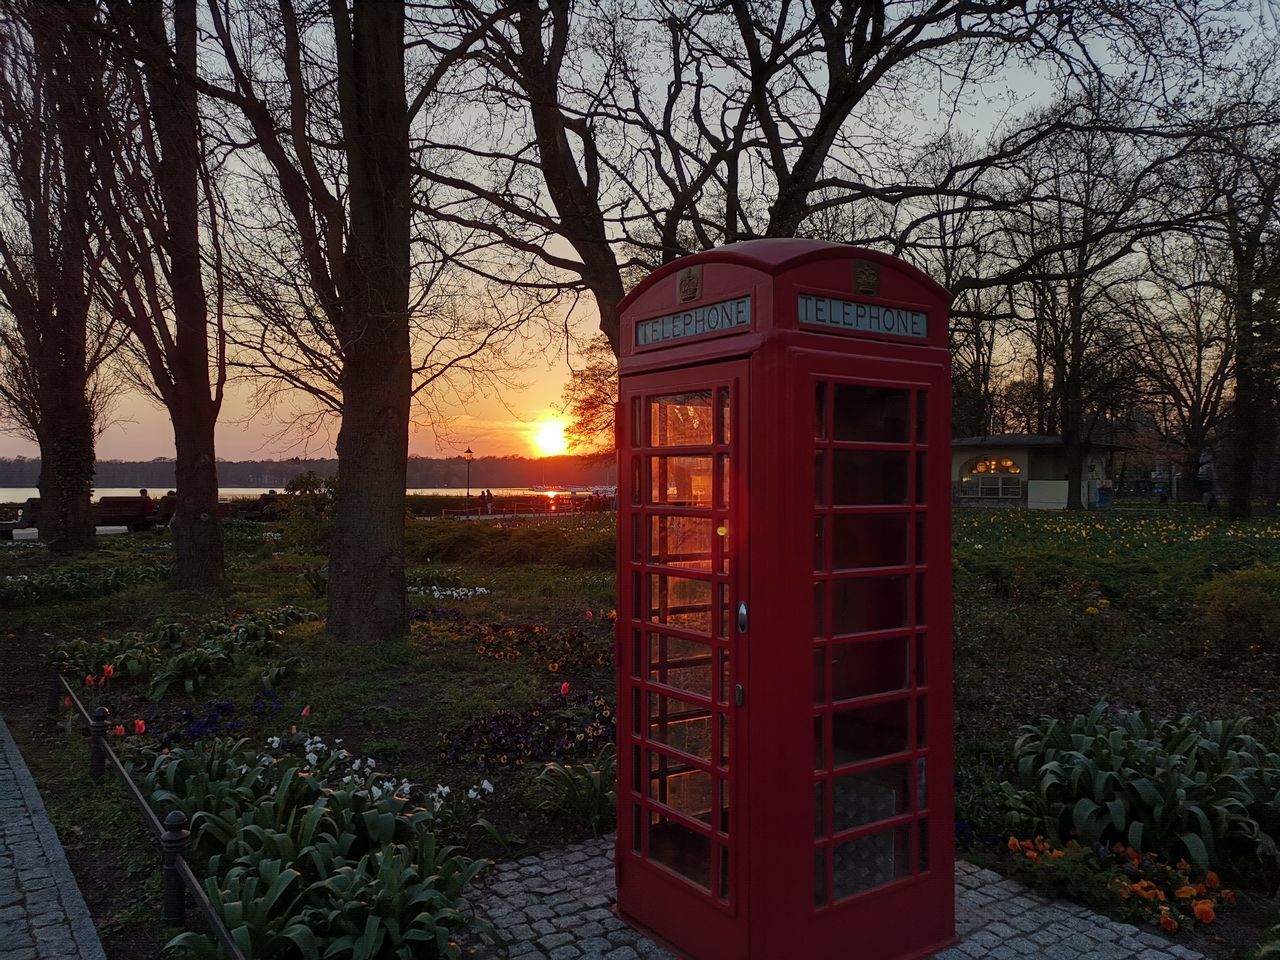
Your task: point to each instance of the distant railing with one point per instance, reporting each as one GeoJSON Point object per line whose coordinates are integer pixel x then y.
{"type": "Point", "coordinates": [536, 506]}
{"type": "Point", "coordinates": [171, 836]}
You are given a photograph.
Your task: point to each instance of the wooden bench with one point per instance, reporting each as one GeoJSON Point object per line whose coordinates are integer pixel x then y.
{"type": "Point", "coordinates": [26, 519]}
{"type": "Point", "coordinates": [135, 513]}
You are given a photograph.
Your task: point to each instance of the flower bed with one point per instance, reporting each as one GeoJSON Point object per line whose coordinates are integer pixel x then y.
{"type": "Point", "coordinates": [76, 583]}
{"type": "Point", "coordinates": [559, 726]}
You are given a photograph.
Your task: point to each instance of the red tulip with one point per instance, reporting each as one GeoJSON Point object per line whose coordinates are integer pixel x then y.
{"type": "Point", "coordinates": [306, 711]}
{"type": "Point", "coordinates": [118, 730]}
{"type": "Point", "coordinates": [293, 728]}
{"type": "Point", "coordinates": [66, 701]}
{"type": "Point", "coordinates": [108, 670]}
{"type": "Point", "coordinates": [89, 681]}
{"type": "Point", "coordinates": [564, 689]}
{"type": "Point", "coordinates": [139, 726]}
{"type": "Point", "coordinates": [590, 614]}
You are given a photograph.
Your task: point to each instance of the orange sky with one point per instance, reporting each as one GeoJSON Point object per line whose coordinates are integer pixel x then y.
{"type": "Point", "coordinates": [486, 425]}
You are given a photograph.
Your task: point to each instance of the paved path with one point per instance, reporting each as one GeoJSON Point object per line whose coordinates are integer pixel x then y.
{"type": "Point", "coordinates": [42, 915]}
{"type": "Point", "coordinates": [557, 905]}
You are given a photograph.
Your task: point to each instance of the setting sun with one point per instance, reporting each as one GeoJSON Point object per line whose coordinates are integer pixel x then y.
{"type": "Point", "coordinates": [549, 439]}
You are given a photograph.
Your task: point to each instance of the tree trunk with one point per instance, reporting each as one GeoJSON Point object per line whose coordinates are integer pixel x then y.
{"type": "Point", "coordinates": [1075, 476]}
{"type": "Point", "coordinates": [66, 521]}
{"type": "Point", "coordinates": [1245, 420]}
{"type": "Point", "coordinates": [366, 558]}
{"type": "Point", "coordinates": [197, 530]}
{"type": "Point", "coordinates": [366, 562]}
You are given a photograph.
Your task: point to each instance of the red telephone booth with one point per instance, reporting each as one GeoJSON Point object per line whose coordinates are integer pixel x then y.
{"type": "Point", "coordinates": [784, 628]}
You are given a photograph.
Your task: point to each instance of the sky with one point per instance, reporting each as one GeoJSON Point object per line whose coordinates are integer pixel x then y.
{"type": "Point", "coordinates": [142, 430]}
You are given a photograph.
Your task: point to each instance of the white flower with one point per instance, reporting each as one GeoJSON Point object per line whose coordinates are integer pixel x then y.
{"type": "Point", "coordinates": [273, 743]}
{"type": "Point", "coordinates": [442, 790]}
{"type": "Point", "coordinates": [486, 786]}
{"type": "Point", "coordinates": [473, 794]}
{"type": "Point", "coordinates": [312, 759]}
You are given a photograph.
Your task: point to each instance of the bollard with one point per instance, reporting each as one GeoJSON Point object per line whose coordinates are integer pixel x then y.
{"type": "Point", "coordinates": [172, 844]}
{"type": "Point", "coordinates": [56, 691]}
{"type": "Point", "coordinates": [98, 743]}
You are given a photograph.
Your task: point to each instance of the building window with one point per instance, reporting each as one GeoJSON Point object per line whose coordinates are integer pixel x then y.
{"type": "Point", "coordinates": [990, 467]}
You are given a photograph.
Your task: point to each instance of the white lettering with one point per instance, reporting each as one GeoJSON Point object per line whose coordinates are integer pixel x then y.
{"type": "Point", "coordinates": [860, 316]}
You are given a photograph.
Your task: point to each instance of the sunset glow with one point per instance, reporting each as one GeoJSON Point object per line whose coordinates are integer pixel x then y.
{"type": "Point", "coordinates": [548, 437]}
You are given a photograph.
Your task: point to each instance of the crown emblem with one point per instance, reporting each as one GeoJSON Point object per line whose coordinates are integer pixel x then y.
{"type": "Point", "coordinates": [866, 277]}
{"type": "Point", "coordinates": [689, 284]}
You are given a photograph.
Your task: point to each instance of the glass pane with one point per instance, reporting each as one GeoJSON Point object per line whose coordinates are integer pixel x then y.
{"type": "Point", "coordinates": [726, 417]}
{"type": "Point", "coordinates": [868, 797]}
{"type": "Point", "coordinates": [724, 722]}
{"type": "Point", "coordinates": [875, 414]}
{"type": "Point", "coordinates": [635, 828]}
{"type": "Point", "coordinates": [819, 748]}
{"type": "Point", "coordinates": [819, 809]}
{"type": "Point", "coordinates": [922, 417]}
{"type": "Point", "coordinates": [868, 603]}
{"type": "Point", "coordinates": [636, 534]}
{"type": "Point", "coordinates": [722, 790]}
{"type": "Point", "coordinates": [819, 608]}
{"type": "Point", "coordinates": [870, 861]}
{"type": "Point", "coordinates": [676, 785]}
{"type": "Point", "coordinates": [922, 831]}
{"type": "Point", "coordinates": [724, 873]}
{"type": "Point", "coordinates": [637, 486]}
{"type": "Point", "coordinates": [922, 660]}
{"type": "Point", "coordinates": [685, 664]}
{"type": "Point", "coordinates": [680, 419]}
{"type": "Point", "coordinates": [725, 682]}
{"type": "Point", "coordinates": [724, 480]}
{"type": "Point", "coordinates": [869, 540]}
{"type": "Point", "coordinates": [819, 543]}
{"type": "Point", "coordinates": [869, 476]}
{"type": "Point", "coordinates": [680, 725]}
{"type": "Point", "coordinates": [922, 784]}
{"type": "Point", "coordinates": [920, 541]}
{"type": "Point", "coordinates": [637, 654]}
{"type": "Point", "coordinates": [869, 667]}
{"type": "Point", "coordinates": [678, 602]}
{"type": "Point", "coordinates": [820, 478]}
{"type": "Point", "coordinates": [637, 429]}
{"type": "Point", "coordinates": [922, 723]}
{"type": "Point", "coordinates": [869, 732]}
{"type": "Point", "coordinates": [820, 675]}
{"type": "Point", "coordinates": [819, 876]}
{"type": "Point", "coordinates": [681, 542]}
{"type": "Point", "coordinates": [681, 849]}
{"type": "Point", "coordinates": [922, 600]}
{"type": "Point", "coordinates": [820, 411]}
{"type": "Point", "coordinates": [680, 481]}
{"type": "Point", "coordinates": [922, 479]}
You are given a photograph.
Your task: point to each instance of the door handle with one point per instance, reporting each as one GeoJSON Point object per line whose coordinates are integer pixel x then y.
{"type": "Point", "coordinates": [739, 695]}
{"type": "Point", "coordinates": [742, 616]}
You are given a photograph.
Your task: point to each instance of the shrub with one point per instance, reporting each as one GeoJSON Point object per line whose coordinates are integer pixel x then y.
{"type": "Point", "coordinates": [585, 792]}
{"type": "Point", "coordinates": [76, 583]}
{"type": "Point", "coordinates": [1240, 611]}
{"type": "Point", "coordinates": [300, 867]}
{"type": "Point", "coordinates": [1177, 787]}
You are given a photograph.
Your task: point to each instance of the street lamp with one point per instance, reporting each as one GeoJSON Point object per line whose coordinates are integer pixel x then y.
{"type": "Point", "coordinates": [468, 456]}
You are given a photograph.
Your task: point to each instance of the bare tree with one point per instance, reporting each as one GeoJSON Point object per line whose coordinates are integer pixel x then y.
{"type": "Point", "coordinates": [1186, 336]}
{"type": "Point", "coordinates": [162, 243]}
{"type": "Point", "coordinates": [52, 340]}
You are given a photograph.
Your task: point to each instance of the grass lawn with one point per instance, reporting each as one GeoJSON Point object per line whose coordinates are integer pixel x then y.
{"type": "Point", "coordinates": [1054, 613]}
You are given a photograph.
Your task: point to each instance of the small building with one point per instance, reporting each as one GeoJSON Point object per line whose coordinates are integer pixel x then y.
{"type": "Point", "coordinates": [1023, 470]}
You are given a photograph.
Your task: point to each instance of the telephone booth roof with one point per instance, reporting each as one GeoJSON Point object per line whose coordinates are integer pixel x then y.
{"type": "Point", "coordinates": [727, 301]}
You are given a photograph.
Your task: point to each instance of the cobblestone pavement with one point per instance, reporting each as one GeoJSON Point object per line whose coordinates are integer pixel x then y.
{"type": "Point", "coordinates": [558, 905]}
{"type": "Point", "coordinates": [42, 915]}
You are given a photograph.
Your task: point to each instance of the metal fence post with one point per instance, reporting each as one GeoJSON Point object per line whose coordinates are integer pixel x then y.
{"type": "Point", "coordinates": [172, 844]}
{"type": "Point", "coordinates": [98, 743]}
{"type": "Point", "coordinates": [56, 693]}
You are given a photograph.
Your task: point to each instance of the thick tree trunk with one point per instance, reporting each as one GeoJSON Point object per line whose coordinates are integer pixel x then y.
{"type": "Point", "coordinates": [1075, 476]}
{"type": "Point", "coordinates": [1245, 419]}
{"type": "Point", "coordinates": [66, 475]}
{"type": "Point", "coordinates": [197, 530]}
{"type": "Point", "coordinates": [366, 559]}
{"type": "Point", "coordinates": [366, 562]}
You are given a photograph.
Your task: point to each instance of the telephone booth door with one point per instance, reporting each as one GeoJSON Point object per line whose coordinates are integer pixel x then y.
{"type": "Point", "coordinates": [864, 815]}
{"type": "Point", "coordinates": [682, 655]}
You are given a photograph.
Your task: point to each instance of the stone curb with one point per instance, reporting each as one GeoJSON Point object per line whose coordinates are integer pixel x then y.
{"type": "Point", "coordinates": [83, 931]}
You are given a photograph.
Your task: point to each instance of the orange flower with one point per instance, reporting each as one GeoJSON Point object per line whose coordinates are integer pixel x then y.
{"type": "Point", "coordinates": [89, 681]}
{"type": "Point", "coordinates": [1014, 845]}
{"type": "Point", "coordinates": [118, 730]}
{"type": "Point", "coordinates": [108, 670]}
{"type": "Point", "coordinates": [1117, 847]}
{"type": "Point", "coordinates": [1211, 880]}
{"type": "Point", "coordinates": [1185, 893]}
{"type": "Point", "coordinates": [1056, 854]}
{"type": "Point", "coordinates": [1147, 890]}
{"type": "Point", "coordinates": [1133, 855]}
{"type": "Point", "coordinates": [1168, 924]}
{"type": "Point", "coordinates": [1032, 856]}
{"type": "Point", "coordinates": [1204, 911]}
{"type": "Point", "coordinates": [1228, 897]}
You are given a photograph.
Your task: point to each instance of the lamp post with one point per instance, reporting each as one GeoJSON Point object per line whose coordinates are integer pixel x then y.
{"type": "Point", "coordinates": [468, 456]}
